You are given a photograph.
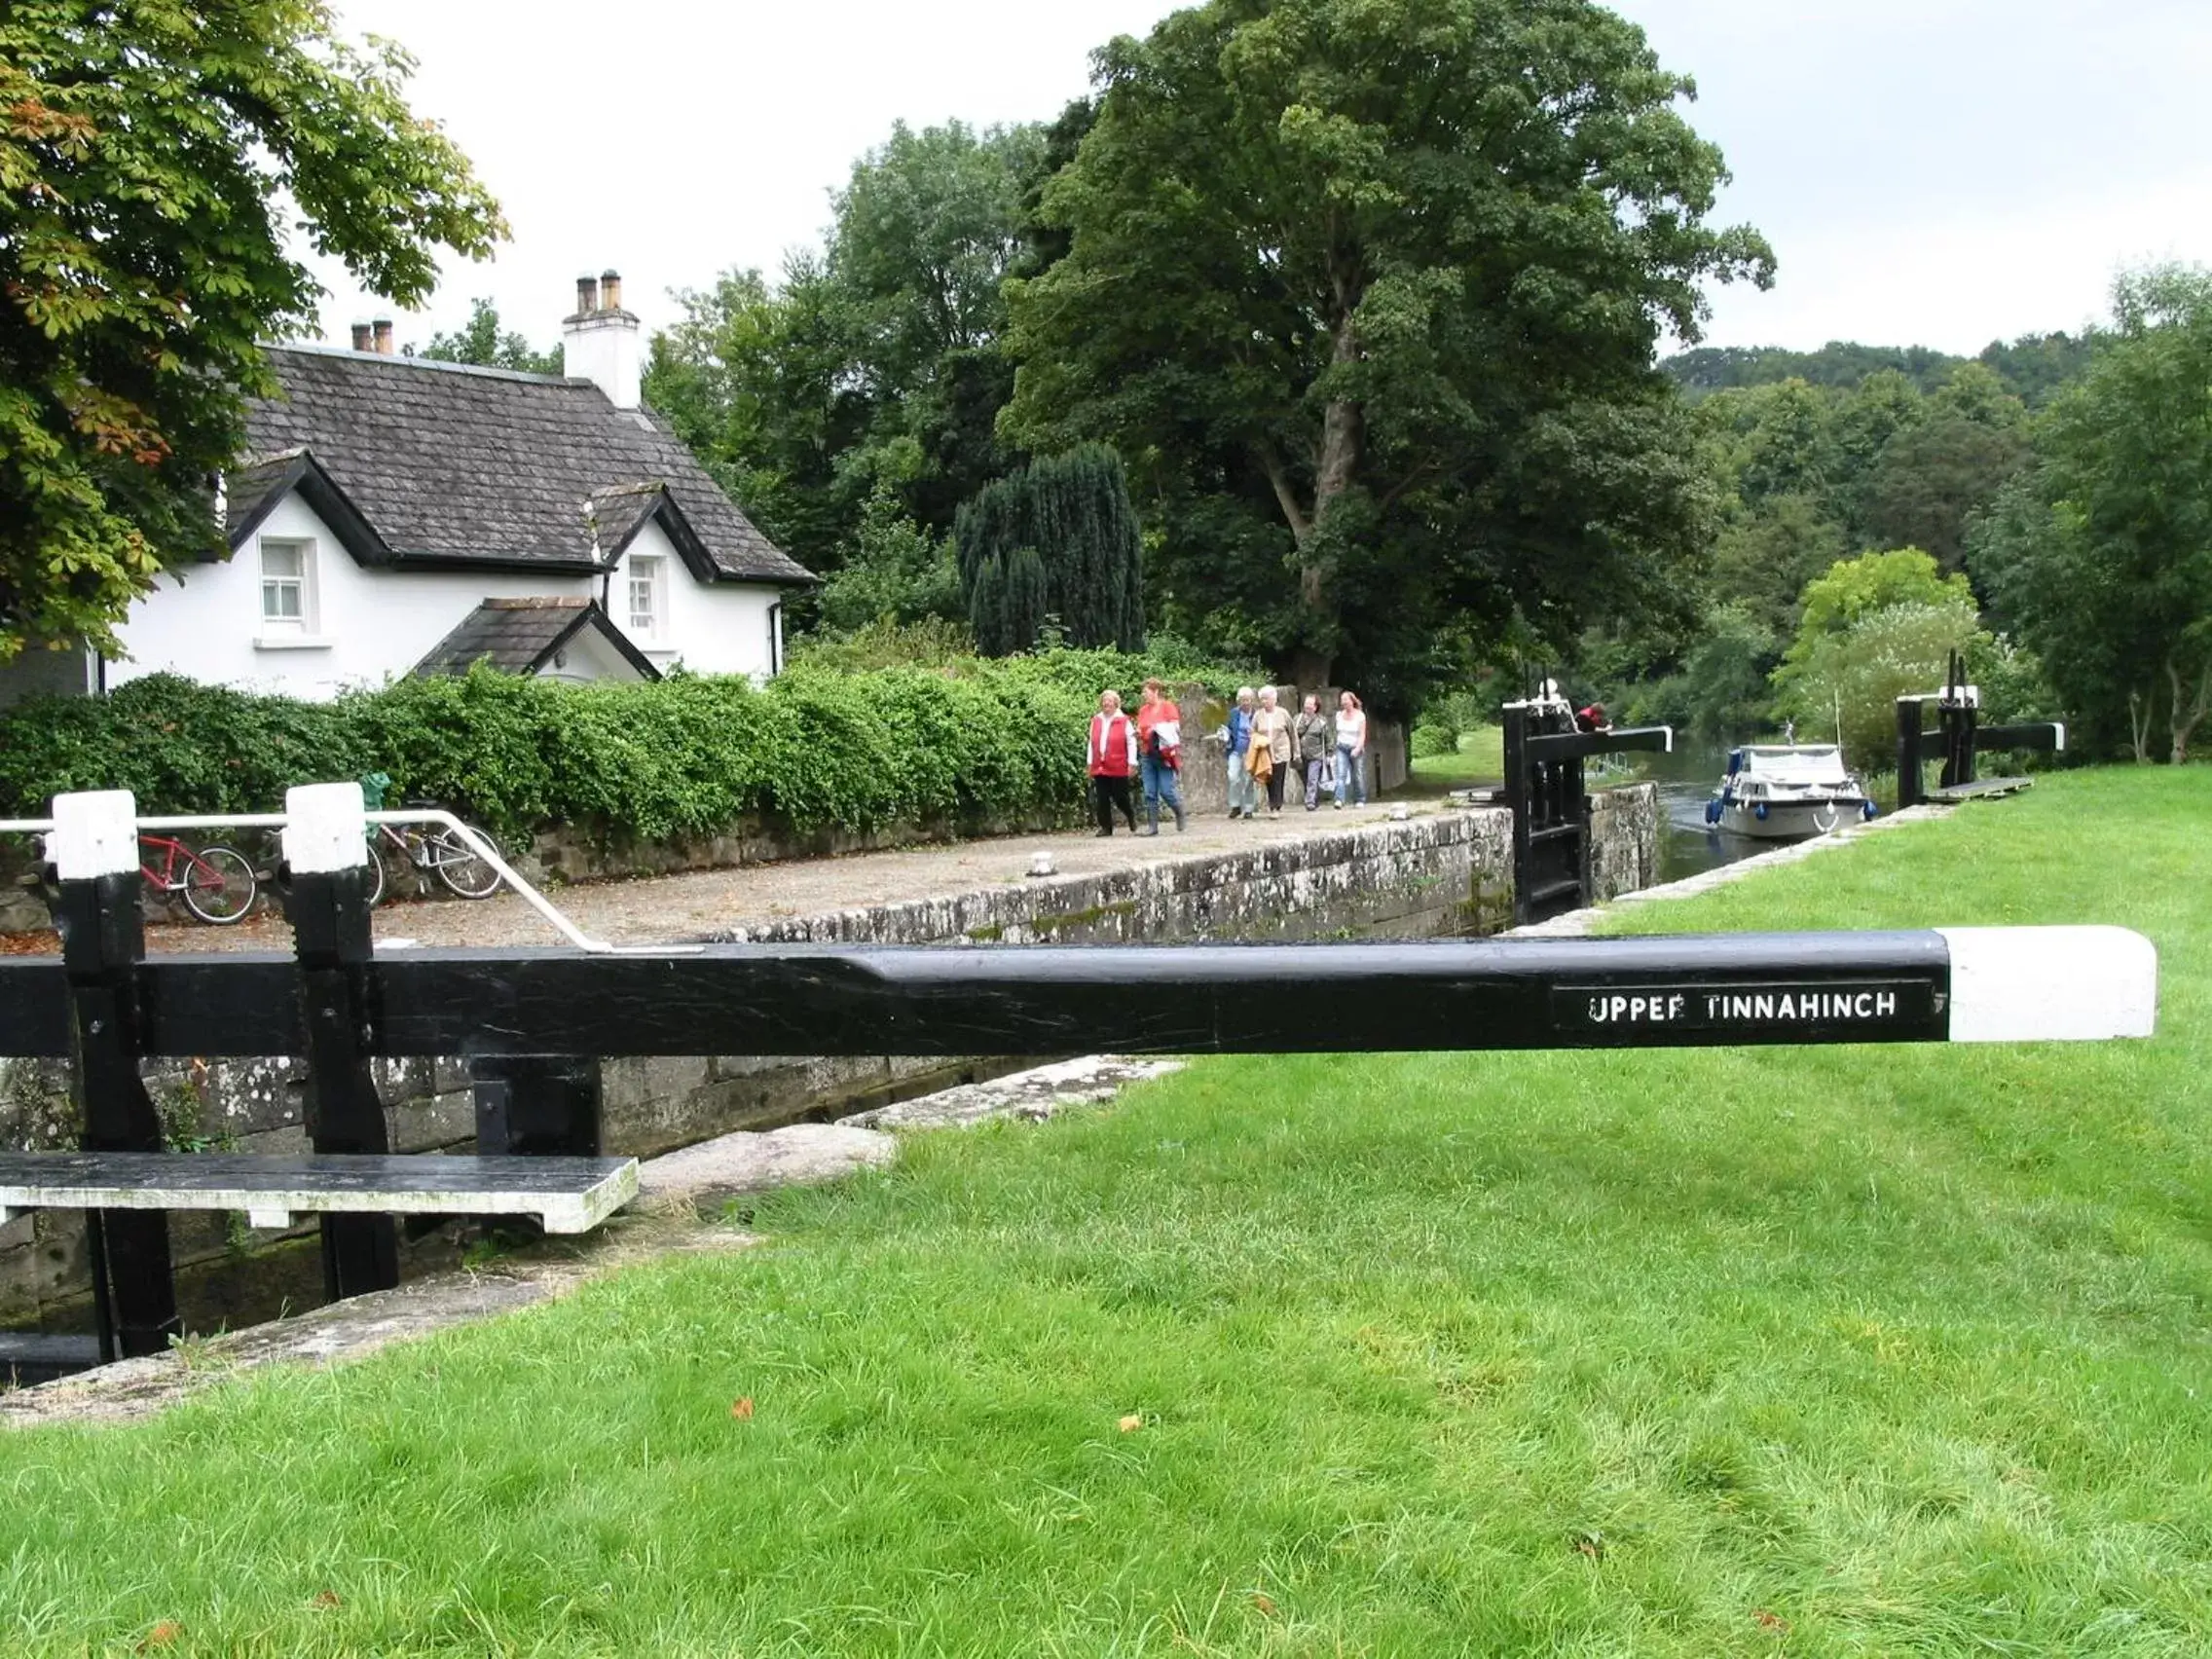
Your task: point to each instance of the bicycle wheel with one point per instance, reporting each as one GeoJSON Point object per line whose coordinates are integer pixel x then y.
{"type": "Point", "coordinates": [217, 885]}
{"type": "Point", "coordinates": [459, 868]}
{"type": "Point", "coordinates": [373, 878]}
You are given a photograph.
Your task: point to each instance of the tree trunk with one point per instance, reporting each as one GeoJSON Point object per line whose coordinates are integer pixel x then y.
{"type": "Point", "coordinates": [2183, 719]}
{"type": "Point", "coordinates": [2140, 711]}
{"type": "Point", "coordinates": [1308, 669]}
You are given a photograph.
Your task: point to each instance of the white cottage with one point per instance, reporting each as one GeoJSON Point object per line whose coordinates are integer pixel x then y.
{"type": "Point", "coordinates": [395, 516]}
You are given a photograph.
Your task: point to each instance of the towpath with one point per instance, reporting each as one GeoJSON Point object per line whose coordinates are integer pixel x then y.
{"type": "Point", "coordinates": [675, 908]}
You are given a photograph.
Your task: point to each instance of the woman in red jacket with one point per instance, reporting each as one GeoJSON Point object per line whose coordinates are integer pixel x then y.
{"type": "Point", "coordinates": [1113, 761]}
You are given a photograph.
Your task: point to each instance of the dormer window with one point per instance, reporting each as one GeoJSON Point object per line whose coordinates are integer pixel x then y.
{"type": "Point", "coordinates": [287, 576]}
{"type": "Point", "coordinates": [648, 597]}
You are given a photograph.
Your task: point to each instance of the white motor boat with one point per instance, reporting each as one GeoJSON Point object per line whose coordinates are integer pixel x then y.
{"type": "Point", "coordinates": [1786, 793]}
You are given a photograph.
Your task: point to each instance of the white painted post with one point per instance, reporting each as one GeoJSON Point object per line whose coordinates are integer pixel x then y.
{"type": "Point", "coordinates": [94, 833]}
{"type": "Point", "coordinates": [2054, 985]}
{"type": "Point", "coordinates": [327, 827]}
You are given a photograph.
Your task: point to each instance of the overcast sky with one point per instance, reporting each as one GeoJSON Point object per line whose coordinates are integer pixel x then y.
{"type": "Point", "coordinates": [1931, 171]}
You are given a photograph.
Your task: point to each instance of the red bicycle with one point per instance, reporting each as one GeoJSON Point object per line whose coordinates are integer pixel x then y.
{"type": "Point", "coordinates": [216, 883]}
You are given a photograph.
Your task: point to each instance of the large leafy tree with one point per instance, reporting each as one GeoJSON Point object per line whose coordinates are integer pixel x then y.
{"type": "Point", "coordinates": [1367, 292]}
{"type": "Point", "coordinates": [154, 155]}
{"type": "Point", "coordinates": [2102, 556]}
{"type": "Point", "coordinates": [874, 362]}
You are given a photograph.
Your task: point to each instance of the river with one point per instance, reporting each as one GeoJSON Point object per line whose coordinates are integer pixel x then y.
{"type": "Point", "coordinates": [1686, 778]}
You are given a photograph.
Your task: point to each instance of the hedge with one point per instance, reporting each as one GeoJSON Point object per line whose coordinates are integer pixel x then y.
{"type": "Point", "coordinates": [965, 744]}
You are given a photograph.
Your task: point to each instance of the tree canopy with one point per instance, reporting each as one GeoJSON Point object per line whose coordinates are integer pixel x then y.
{"type": "Point", "coordinates": [2102, 554]}
{"type": "Point", "coordinates": [482, 340]}
{"type": "Point", "coordinates": [874, 363]}
{"type": "Point", "coordinates": [153, 156]}
{"type": "Point", "coordinates": [1367, 292]}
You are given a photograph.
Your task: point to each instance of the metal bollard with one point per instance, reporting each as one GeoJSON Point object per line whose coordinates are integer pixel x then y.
{"type": "Point", "coordinates": [326, 897]}
{"type": "Point", "coordinates": [95, 850]}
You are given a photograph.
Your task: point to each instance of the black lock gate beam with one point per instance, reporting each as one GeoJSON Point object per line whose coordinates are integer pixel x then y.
{"type": "Point", "coordinates": [1929, 986]}
{"type": "Point", "coordinates": [1544, 786]}
{"type": "Point", "coordinates": [1962, 735]}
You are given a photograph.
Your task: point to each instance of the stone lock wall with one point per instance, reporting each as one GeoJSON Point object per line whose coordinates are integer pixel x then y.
{"type": "Point", "coordinates": [1437, 873]}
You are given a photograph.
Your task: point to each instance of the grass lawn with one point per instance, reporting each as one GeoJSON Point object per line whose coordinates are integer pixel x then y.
{"type": "Point", "coordinates": [1794, 1351]}
{"type": "Point", "coordinates": [1480, 759]}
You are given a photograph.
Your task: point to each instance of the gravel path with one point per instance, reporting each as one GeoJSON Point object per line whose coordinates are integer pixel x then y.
{"type": "Point", "coordinates": [678, 907]}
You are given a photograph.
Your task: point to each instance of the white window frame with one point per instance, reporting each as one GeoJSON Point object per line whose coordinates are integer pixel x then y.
{"type": "Point", "coordinates": [652, 570]}
{"type": "Point", "coordinates": [274, 627]}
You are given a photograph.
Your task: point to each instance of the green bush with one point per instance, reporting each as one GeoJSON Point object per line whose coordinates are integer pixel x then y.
{"type": "Point", "coordinates": [964, 744]}
{"type": "Point", "coordinates": [1430, 741]}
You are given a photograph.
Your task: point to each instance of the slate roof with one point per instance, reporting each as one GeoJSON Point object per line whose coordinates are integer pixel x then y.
{"type": "Point", "coordinates": [520, 635]}
{"type": "Point", "coordinates": [459, 465]}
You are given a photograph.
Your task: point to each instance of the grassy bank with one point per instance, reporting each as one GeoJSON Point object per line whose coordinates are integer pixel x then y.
{"type": "Point", "coordinates": [1480, 759]}
{"type": "Point", "coordinates": [1815, 1351]}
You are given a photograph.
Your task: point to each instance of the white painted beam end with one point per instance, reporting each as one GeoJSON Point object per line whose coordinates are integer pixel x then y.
{"type": "Point", "coordinates": [327, 827]}
{"type": "Point", "coordinates": [2078, 984]}
{"type": "Point", "coordinates": [94, 833]}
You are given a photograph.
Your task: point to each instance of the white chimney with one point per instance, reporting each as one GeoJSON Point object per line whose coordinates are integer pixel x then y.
{"type": "Point", "coordinates": [602, 341]}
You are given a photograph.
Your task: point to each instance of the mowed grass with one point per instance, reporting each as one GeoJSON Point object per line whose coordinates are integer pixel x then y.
{"type": "Point", "coordinates": [1481, 758]}
{"type": "Point", "coordinates": [1793, 1351]}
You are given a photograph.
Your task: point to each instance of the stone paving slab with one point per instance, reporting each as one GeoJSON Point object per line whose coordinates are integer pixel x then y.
{"type": "Point", "coordinates": [714, 902]}
{"type": "Point", "coordinates": [798, 1155]}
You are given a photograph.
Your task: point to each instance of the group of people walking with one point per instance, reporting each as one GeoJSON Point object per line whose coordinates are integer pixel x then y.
{"type": "Point", "coordinates": [1267, 748]}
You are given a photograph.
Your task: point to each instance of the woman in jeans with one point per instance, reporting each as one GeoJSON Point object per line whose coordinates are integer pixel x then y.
{"type": "Point", "coordinates": [1312, 733]}
{"type": "Point", "coordinates": [1244, 798]}
{"type": "Point", "coordinates": [1352, 750]}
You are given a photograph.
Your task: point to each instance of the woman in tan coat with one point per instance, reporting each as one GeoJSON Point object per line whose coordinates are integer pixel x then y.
{"type": "Point", "coordinates": [1272, 725]}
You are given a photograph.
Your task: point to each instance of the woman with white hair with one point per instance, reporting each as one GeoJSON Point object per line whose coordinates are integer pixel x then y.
{"type": "Point", "coordinates": [1272, 726]}
{"type": "Point", "coordinates": [1244, 797]}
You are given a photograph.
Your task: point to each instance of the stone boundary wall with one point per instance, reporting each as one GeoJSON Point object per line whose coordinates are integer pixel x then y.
{"type": "Point", "coordinates": [1437, 873]}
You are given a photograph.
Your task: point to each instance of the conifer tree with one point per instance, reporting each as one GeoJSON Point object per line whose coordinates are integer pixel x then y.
{"type": "Point", "coordinates": [1072, 515]}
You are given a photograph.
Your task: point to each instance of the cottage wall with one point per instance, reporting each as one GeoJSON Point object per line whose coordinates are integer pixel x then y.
{"type": "Point", "coordinates": [709, 628]}
{"type": "Point", "coordinates": [203, 621]}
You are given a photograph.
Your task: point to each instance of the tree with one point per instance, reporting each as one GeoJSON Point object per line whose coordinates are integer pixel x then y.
{"type": "Point", "coordinates": [1849, 680]}
{"type": "Point", "coordinates": [1367, 292]}
{"type": "Point", "coordinates": [1853, 588]}
{"type": "Point", "coordinates": [877, 358]}
{"type": "Point", "coordinates": [755, 378]}
{"type": "Point", "coordinates": [896, 572]}
{"type": "Point", "coordinates": [2103, 556]}
{"type": "Point", "coordinates": [482, 342]}
{"type": "Point", "coordinates": [153, 156]}
{"type": "Point", "coordinates": [1871, 630]}
{"type": "Point", "coordinates": [1931, 479]}
{"type": "Point", "coordinates": [1073, 513]}
{"type": "Point", "coordinates": [1009, 603]}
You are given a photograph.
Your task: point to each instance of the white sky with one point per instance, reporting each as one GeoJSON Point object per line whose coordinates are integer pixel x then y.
{"type": "Point", "coordinates": [1931, 171]}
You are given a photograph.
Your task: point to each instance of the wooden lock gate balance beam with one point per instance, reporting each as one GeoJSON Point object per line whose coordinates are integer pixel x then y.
{"type": "Point", "coordinates": [519, 1015]}
{"type": "Point", "coordinates": [1545, 748]}
{"type": "Point", "coordinates": [1961, 736]}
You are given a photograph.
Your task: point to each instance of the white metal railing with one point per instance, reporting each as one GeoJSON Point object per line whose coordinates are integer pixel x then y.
{"type": "Point", "coordinates": [471, 837]}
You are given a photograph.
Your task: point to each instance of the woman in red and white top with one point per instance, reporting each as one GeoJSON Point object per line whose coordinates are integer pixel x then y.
{"type": "Point", "coordinates": [1113, 761]}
